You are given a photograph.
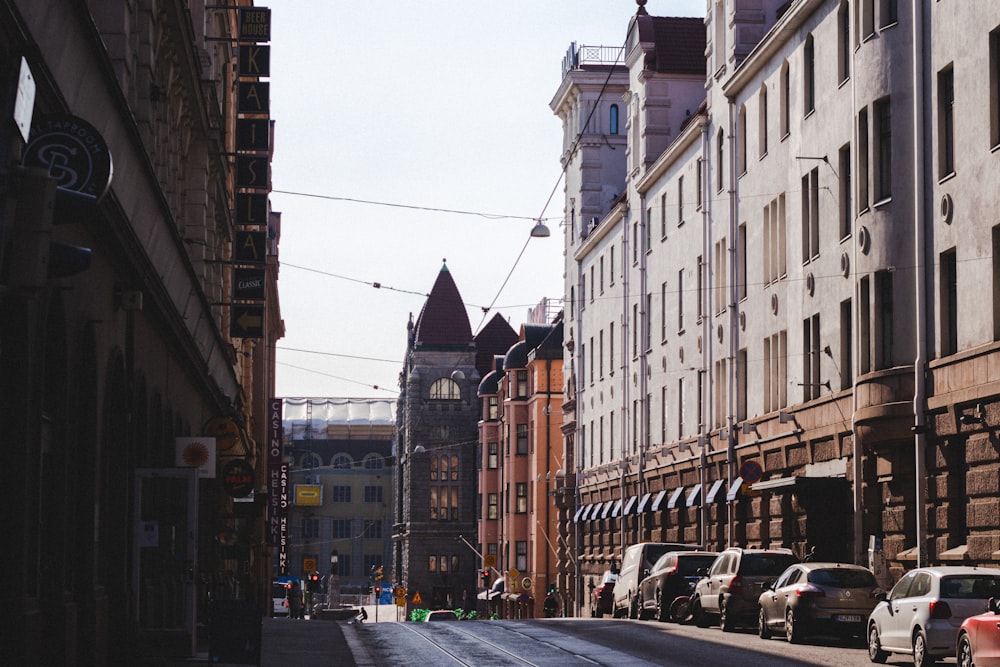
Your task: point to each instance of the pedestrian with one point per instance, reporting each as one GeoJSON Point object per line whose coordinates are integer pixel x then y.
{"type": "Point", "coordinates": [295, 600]}
{"type": "Point", "coordinates": [550, 605]}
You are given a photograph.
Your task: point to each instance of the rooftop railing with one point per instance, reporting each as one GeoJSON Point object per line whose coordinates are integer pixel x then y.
{"type": "Point", "coordinates": [580, 56]}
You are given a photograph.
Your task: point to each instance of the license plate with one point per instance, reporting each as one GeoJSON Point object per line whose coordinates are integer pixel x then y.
{"type": "Point", "coordinates": [848, 618]}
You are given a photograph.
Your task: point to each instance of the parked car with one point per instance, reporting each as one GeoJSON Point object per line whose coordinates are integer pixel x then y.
{"type": "Point", "coordinates": [637, 560]}
{"type": "Point", "coordinates": [818, 598]}
{"type": "Point", "coordinates": [279, 598]}
{"type": "Point", "coordinates": [731, 587]}
{"type": "Point", "coordinates": [602, 598]}
{"type": "Point", "coordinates": [441, 615]}
{"type": "Point", "coordinates": [674, 574]}
{"type": "Point", "coordinates": [979, 638]}
{"type": "Point", "coordinates": [923, 612]}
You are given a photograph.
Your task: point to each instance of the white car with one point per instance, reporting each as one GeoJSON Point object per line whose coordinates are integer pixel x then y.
{"type": "Point", "coordinates": [923, 612]}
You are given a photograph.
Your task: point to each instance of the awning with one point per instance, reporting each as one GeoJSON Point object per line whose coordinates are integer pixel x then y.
{"type": "Point", "coordinates": [607, 509]}
{"type": "Point", "coordinates": [816, 489]}
{"type": "Point", "coordinates": [581, 512]}
{"type": "Point", "coordinates": [675, 498]}
{"type": "Point", "coordinates": [694, 496]}
{"type": "Point", "coordinates": [714, 491]}
{"type": "Point", "coordinates": [630, 505]}
{"type": "Point", "coordinates": [595, 510]}
{"type": "Point", "coordinates": [617, 509]}
{"type": "Point", "coordinates": [659, 500]}
{"type": "Point", "coordinates": [643, 503]}
{"type": "Point", "coordinates": [734, 490]}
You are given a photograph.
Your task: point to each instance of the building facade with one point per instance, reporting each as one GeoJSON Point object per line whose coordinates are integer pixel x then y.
{"type": "Point", "coordinates": [522, 460]}
{"type": "Point", "coordinates": [435, 558]}
{"type": "Point", "coordinates": [342, 474]}
{"type": "Point", "coordinates": [767, 342]}
{"type": "Point", "coordinates": [116, 256]}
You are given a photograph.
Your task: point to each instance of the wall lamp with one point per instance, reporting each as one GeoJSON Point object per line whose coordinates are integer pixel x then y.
{"type": "Point", "coordinates": [749, 427]}
{"type": "Point", "coordinates": [975, 418]}
{"type": "Point", "coordinates": [785, 417]}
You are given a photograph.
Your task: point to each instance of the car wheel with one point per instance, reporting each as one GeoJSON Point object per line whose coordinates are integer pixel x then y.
{"type": "Point", "coordinates": [965, 652]}
{"type": "Point", "coordinates": [662, 611]}
{"type": "Point", "coordinates": [793, 633]}
{"type": "Point", "coordinates": [680, 609]}
{"type": "Point", "coordinates": [633, 607]}
{"type": "Point", "coordinates": [725, 618]}
{"type": "Point", "coordinates": [763, 631]}
{"type": "Point", "coordinates": [921, 658]}
{"type": "Point", "coordinates": [700, 617]}
{"type": "Point", "coordinates": [875, 652]}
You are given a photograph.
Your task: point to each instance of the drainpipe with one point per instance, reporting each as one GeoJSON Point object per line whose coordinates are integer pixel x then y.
{"type": "Point", "coordinates": [548, 457]}
{"type": "Point", "coordinates": [920, 364]}
{"type": "Point", "coordinates": [733, 318]}
{"type": "Point", "coordinates": [641, 419]}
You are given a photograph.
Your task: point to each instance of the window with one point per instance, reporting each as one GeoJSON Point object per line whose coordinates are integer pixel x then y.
{"type": "Point", "coordinates": [680, 409]}
{"type": "Point", "coordinates": [521, 491]}
{"type": "Point", "coordinates": [432, 563]}
{"type": "Point", "coordinates": [867, 18]}
{"type": "Point", "coordinates": [784, 101]}
{"type": "Point", "coordinates": [721, 396]}
{"type": "Point", "coordinates": [864, 325]}
{"type": "Point", "coordinates": [600, 354]}
{"type": "Point", "coordinates": [846, 192]}
{"type": "Point", "coordinates": [341, 529]}
{"type": "Point", "coordinates": [342, 462]}
{"type": "Point", "coordinates": [522, 438]}
{"type": "Point", "coordinates": [719, 47]}
{"type": "Point", "coordinates": [445, 389]}
{"type": "Point", "coordinates": [811, 381]}
{"type": "Point", "coordinates": [663, 413]}
{"type": "Point", "coordinates": [635, 330]}
{"type": "Point", "coordinates": [492, 501]}
{"type": "Point", "coordinates": [611, 266]}
{"type": "Point", "coordinates": [810, 215]}
{"type": "Point", "coordinates": [889, 13]}
{"type": "Point", "coordinates": [883, 150]}
{"type": "Point", "coordinates": [600, 453]}
{"type": "Point", "coordinates": [741, 262]}
{"type": "Point", "coordinates": [741, 385]}
{"type": "Point", "coordinates": [996, 282]}
{"type": "Point", "coordinates": [521, 549]}
{"type": "Point", "coordinates": [648, 235]}
{"type": "Point", "coordinates": [774, 240]}
{"type": "Point", "coordinates": [592, 281]}
{"type": "Point", "coordinates": [809, 76]}
{"type": "Point", "coordinates": [590, 361]}
{"type": "Point", "coordinates": [775, 371]}
{"type": "Point", "coordinates": [762, 121]}
{"type": "Point", "coordinates": [611, 435]}
{"type": "Point", "coordinates": [373, 529]}
{"type": "Point", "coordinates": [741, 142]}
{"type": "Point", "coordinates": [994, 76]}
{"type": "Point", "coordinates": [493, 408]}
{"type": "Point", "coordinates": [611, 348]}
{"type": "Point", "coordinates": [846, 366]}
{"type": "Point", "coordinates": [635, 242]}
{"type": "Point", "coordinates": [680, 300]}
{"type": "Point", "coordinates": [434, 468]}
{"type": "Point", "coordinates": [373, 462]}
{"type": "Point", "coordinates": [613, 120]}
{"type": "Point", "coordinates": [341, 494]}
{"type": "Point", "coordinates": [493, 451]}
{"type": "Point", "coordinates": [373, 494]}
{"type": "Point", "coordinates": [884, 324]}
{"type": "Point", "coordinates": [701, 400]}
{"type": "Point", "coordinates": [719, 158]}
{"type": "Point", "coordinates": [844, 42]}
{"type": "Point", "coordinates": [310, 527]}
{"type": "Point", "coordinates": [602, 274]}
{"type": "Point", "coordinates": [372, 562]}
{"type": "Point", "coordinates": [946, 122]}
{"type": "Point", "coordinates": [663, 312]}
{"type": "Point", "coordinates": [647, 328]}
{"type": "Point", "coordinates": [720, 275]}
{"type": "Point", "coordinates": [522, 384]}
{"type": "Point", "coordinates": [699, 171]}
{"type": "Point", "coordinates": [663, 217]}
{"type": "Point", "coordinates": [344, 565]}
{"type": "Point", "coordinates": [310, 460]}
{"type": "Point", "coordinates": [949, 303]}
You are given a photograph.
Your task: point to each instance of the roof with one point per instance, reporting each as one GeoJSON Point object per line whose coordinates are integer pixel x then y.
{"type": "Point", "coordinates": [680, 45]}
{"type": "Point", "coordinates": [493, 340]}
{"type": "Point", "coordinates": [443, 320]}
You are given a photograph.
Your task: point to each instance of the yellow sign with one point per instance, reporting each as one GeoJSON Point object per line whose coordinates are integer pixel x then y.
{"type": "Point", "coordinates": [401, 601]}
{"type": "Point", "coordinates": [400, 592]}
{"type": "Point", "coordinates": [417, 599]}
{"type": "Point", "coordinates": [513, 573]}
{"type": "Point", "coordinates": [308, 565]}
{"type": "Point", "coordinates": [308, 495]}
{"type": "Point", "coordinates": [490, 560]}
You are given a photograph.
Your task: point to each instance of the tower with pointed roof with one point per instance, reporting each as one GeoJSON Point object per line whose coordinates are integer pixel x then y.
{"type": "Point", "coordinates": [434, 533]}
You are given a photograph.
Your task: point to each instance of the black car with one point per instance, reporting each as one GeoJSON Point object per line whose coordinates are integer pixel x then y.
{"type": "Point", "coordinates": [673, 575]}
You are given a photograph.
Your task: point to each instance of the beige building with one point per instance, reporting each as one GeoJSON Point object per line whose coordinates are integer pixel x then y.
{"type": "Point", "coordinates": [773, 335]}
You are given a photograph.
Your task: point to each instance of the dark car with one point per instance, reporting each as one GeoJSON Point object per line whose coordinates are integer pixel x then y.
{"type": "Point", "coordinates": [820, 598]}
{"type": "Point", "coordinates": [602, 598]}
{"type": "Point", "coordinates": [637, 561]}
{"type": "Point", "coordinates": [731, 588]}
{"type": "Point", "coordinates": [673, 575]}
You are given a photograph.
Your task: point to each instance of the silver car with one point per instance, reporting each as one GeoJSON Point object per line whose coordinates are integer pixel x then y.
{"type": "Point", "coordinates": [923, 612]}
{"type": "Point", "coordinates": [818, 598]}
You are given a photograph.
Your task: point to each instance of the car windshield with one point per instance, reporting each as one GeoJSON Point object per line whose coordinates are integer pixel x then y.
{"type": "Point", "coordinates": [970, 587]}
{"type": "Point", "coordinates": [653, 553]}
{"type": "Point", "coordinates": [277, 591]}
{"type": "Point", "coordinates": [766, 564]}
{"type": "Point", "coordinates": [841, 578]}
{"type": "Point", "coordinates": [691, 564]}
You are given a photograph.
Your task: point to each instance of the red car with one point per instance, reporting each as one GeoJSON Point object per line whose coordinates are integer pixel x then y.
{"type": "Point", "coordinates": [602, 598]}
{"type": "Point", "coordinates": [979, 638]}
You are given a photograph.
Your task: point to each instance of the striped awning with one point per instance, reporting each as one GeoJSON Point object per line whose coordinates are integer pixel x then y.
{"type": "Point", "coordinates": [630, 505]}
{"type": "Point", "coordinates": [675, 498]}
{"type": "Point", "coordinates": [580, 511]}
{"type": "Point", "coordinates": [607, 509]}
{"type": "Point", "coordinates": [617, 509]}
{"type": "Point", "coordinates": [659, 501]}
{"type": "Point", "coordinates": [714, 491]}
{"type": "Point", "coordinates": [694, 496]}
{"type": "Point", "coordinates": [643, 504]}
{"type": "Point", "coordinates": [735, 489]}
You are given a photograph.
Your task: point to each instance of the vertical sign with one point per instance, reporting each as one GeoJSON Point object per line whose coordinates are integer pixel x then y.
{"type": "Point", "coordinates": [277, 486]}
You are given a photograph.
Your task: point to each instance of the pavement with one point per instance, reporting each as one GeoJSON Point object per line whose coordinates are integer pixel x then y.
{"type": "Point", "coordinates": [305, 642]}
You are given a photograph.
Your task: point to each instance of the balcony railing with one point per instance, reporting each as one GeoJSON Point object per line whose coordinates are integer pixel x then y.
{"type": "Point", "coordinates": [579, 56]}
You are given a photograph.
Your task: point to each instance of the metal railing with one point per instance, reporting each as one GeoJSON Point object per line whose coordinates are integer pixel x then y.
{"type": "Point", "coordinates": [579, 56]}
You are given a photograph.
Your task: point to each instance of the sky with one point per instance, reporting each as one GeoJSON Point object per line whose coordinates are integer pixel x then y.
{"type": "Point", "coordinates": [407, 133]}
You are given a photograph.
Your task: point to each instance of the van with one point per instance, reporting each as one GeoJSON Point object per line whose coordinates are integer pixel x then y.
{"type": "Point", "coordinates": [637, 561]}
{"type": "Point", "coordinates": [279, 598]}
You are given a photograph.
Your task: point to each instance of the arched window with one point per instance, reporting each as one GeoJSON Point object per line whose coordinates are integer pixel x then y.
{"type": "Point", "coordinates": [343, 461]}
{"type": "Point", "coordinates": [310, 460]}
{"type": "Point", "coordinates": [373, 462]}
{"type": "Point", "coordinates": [445, 389]}
{"type": "Point", "coordinates": [613, 120]}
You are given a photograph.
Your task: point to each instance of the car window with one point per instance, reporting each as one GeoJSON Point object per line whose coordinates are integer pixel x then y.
{"type": "Point", "coordinates": [841, 578]}
{"type": "Point", "coordinates": [631, 556]}
{"type": "Point", "coordinates": [902, 587]}
{"type": "Point", "coordinates": [691, 564]}
{"type": "Point", "coordinates": [765, 564]}
{"type": "Point", "coordinates": [720, 564]}
{"type": "Point", "coordinates": [653, 553]}
{"type": "Point", "coordinates": [970, 587]}
{"type": "Point", "coordinates": [665, 561]}
{"type": "Point", "coordinates": [921, 585]}
{"type": "Point", "coordinates": [783, 579]}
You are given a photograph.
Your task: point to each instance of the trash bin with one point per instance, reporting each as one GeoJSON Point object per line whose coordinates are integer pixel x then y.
{"type": "Point", "coordinates": [234, 633]}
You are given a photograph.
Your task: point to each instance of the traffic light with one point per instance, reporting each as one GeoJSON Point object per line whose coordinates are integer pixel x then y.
{"type": "Point", "coordinates": [552, 589]}
{"type": "Point", "coordinates": [312, 584]}
{"type": "Point", "coordinates": [378, 573]}
{"type": "Point", "coordinates": [485, 576]}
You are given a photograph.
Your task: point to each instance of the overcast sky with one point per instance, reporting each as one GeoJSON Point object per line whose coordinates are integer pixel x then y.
{"type": "Point", "coordinates": [419, 108]}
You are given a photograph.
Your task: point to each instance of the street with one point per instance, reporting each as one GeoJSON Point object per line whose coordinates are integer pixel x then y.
{"type": "Point", "coordinates": [540, 642]}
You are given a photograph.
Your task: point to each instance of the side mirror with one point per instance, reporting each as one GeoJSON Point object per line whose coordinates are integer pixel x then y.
{"type": "Point", "coordinates": [993, 605]}
{"type": "Point", "coordinates": [881, 596]}
{"type": "Point", "coordinates": [767, 586]}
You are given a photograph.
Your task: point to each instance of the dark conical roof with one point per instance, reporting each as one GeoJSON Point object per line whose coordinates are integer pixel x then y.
{"type": "Point", "coordinates": [443, 319]}
{"type": "Point", "coordinates": [493, 339]}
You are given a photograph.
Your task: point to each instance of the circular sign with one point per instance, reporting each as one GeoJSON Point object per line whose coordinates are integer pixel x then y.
{"type": "Point", "coordinates": [400, 592]}
{"type": "Point", "coordinates": [73, 151]}
{"type": "Point", "coordinates": [224, 430]}
{"type": "Point", "coordinates": [526, 583]}
{"type": "Point", "coordinates": [751, 471]}
{"type": "Point", "coordinates": [238, 478]}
